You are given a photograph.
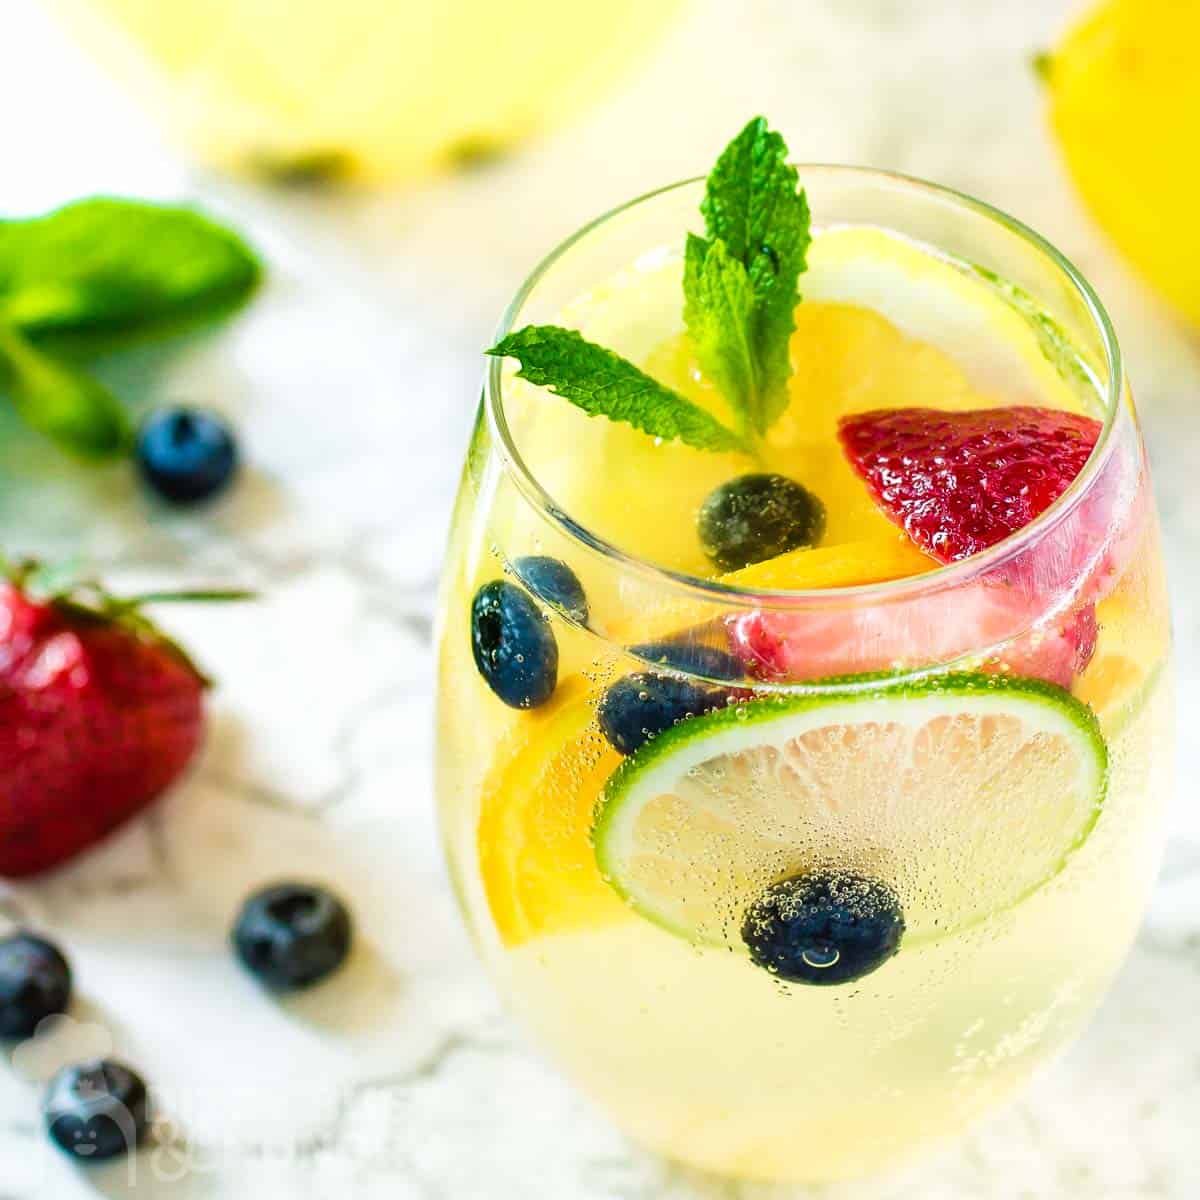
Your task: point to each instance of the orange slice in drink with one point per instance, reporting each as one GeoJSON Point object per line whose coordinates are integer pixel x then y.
{"type": "Point", "coordinates": [534, 841]}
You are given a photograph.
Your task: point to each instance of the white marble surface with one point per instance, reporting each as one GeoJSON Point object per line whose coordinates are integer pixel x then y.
{"type": "Point", "coordinates": [352, 381]}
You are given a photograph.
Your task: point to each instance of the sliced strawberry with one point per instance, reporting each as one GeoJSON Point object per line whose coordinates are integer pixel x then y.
{"type": "Point", "coordinates": [955, 624]}
{"type": "Point", "coordinates": [1056, 653]}
{"type": "Point", "coordinates": [959, 482]}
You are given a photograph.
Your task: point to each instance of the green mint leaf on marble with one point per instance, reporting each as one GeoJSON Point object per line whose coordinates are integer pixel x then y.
{"type": "Point", "coordinates": [753, 204]}
{"type": "Point", "coordinates": [61, 401]}
{"type": "Point", "coordinates": [104, 272]}
{"type": "Point", "coordinates": [604, 384]}
{"type": "Point", "coordinates": [720, 310]}
{"type": "Point", "coordinates": [91, 277]}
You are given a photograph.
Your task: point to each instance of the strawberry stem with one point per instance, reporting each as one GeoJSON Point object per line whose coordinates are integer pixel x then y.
{"type": "Point", "coordinates": [200, 596]}
{"type": "Point", "coordinates": [89, 600]}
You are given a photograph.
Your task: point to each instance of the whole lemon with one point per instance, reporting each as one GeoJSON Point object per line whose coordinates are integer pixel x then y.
{"type": "Point", "coordinates": [1124, 92]}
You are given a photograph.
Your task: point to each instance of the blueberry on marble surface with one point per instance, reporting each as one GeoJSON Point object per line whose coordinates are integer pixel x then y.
{"type": "Point", "coordinates": [35, 983]}
{"type": "Point", "coordinates": [97, 1111]}
{"type": "Point", "coordinates": [186, 455]}
{"type": "Point", "coordinates": [293, 935]}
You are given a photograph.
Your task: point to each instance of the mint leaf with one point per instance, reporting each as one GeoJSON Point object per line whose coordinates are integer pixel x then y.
{"type": "Point", "coordinates": [604, 384]}
{"type": "Point", "coordinates": [60, 401]}
{"type": "Point", "coordinates": [107, 271]}
{"type": "Point", "coordinates": [719, 311]}
{"type": "Point", "coordinates": [753, 205]}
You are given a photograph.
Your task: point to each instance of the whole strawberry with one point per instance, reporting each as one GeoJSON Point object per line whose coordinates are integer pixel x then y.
{"type": "Point", "coordinates": [99, 713]}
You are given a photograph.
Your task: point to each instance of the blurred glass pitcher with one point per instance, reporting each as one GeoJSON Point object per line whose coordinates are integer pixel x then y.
{"type": "Point", "coordinates": [306, 90]}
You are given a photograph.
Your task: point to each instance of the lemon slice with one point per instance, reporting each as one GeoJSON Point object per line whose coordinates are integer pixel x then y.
{"type": "Point", "coordinates": [535, 853]}
{"type": "Point", "coordinates": [963, 795]}
{"type": "Point", "coordinates": [1116, 688]}
{"type": "Point", "coordinates": [1004, 344]}
{"type": "Point", "coordinates": [848, 564]}
{"type": "Point", "coordinates": [1134, 644]}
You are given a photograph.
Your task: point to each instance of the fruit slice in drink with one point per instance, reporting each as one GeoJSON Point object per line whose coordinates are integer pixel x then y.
{"type": "Point", "coordinates": [923, 787]}
{"type": "Point", "coordinates": [535, 853]}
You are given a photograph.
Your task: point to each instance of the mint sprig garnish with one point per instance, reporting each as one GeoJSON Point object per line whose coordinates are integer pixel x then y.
{"type": "Point", "coordinates": [753, 206]}
{"type": "Point", "coordinates": [605, 384]}
{"type": "Point", "coordinates": [740, 287]}
{"type": "Point", "coordinates": [94, 276]}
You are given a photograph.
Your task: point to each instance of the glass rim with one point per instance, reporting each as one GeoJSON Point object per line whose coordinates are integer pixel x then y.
{"type": "Point", "coordinates": [941, 575]}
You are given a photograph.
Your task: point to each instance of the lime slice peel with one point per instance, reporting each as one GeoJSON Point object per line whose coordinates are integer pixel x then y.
{"type": "Point", "coordinates": [967, 792]}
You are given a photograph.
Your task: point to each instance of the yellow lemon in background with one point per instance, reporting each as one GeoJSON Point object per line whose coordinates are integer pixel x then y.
{"type": "Point", "coordinates": [1124, 91]}
{"type": "Point", "coordinates": [308, 89]}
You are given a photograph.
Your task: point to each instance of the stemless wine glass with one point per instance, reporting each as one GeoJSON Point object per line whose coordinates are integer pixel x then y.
{"type": "Point", "coordinates": [999, 820]}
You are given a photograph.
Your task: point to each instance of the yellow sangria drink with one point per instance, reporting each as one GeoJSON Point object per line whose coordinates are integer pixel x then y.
{"type": "Point", "coordinates": [803, 784]}
{"type": "Point", "coordinates": [363, 89]}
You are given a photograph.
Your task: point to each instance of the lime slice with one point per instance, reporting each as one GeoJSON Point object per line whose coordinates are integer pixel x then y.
{"type": "Point", "coordinates": [963, 794]}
